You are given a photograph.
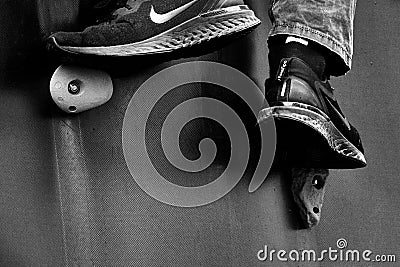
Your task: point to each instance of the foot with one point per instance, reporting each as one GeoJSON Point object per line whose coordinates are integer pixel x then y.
{"type": "Point", "coordinates": [153, 26]}
{"type": "Point", "coordinates": [309, 120]}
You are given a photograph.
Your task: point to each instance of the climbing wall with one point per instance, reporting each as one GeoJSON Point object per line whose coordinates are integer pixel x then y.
{"type": "Point", "coordinates": [68, 197]}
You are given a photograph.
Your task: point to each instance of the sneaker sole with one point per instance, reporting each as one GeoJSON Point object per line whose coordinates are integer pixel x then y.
{"type": "Point", "coordinates": [350, 156]}
{"type": "Point", "coordinates": [205, 27]}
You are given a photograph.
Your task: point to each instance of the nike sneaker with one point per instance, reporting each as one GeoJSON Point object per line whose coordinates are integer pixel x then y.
{"type": "Point", "coordinates": [309, 121]}
{"type": "Point", "coordinates": [140, 27]}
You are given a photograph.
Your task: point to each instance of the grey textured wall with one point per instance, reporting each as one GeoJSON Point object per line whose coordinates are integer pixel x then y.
{"type": "Point", "coordinates": [363, 205]}
{"type": "Point", "coordinates": [50, 216]}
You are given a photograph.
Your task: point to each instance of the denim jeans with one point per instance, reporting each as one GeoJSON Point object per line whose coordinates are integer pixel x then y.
{"type": "Point", "coordinates": [327, 22]}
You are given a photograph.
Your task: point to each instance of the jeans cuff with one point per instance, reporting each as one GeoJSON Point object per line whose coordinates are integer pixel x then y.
{"type": "Point", "coordinates": [303, 31]}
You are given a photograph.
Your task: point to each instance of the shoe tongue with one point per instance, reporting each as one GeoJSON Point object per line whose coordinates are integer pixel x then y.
{"type": "Point", "coordinates": [109, 4]}
{"type": "Point", "coordinates": [299, 68]}
{"type": "Point", "coordinates": [102, 4]}
{"type": "Point", "coordinates": [103, 11]}
{"type": "Point", "coordinates": [130, 7]}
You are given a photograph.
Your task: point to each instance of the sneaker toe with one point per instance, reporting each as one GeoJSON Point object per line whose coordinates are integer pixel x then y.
{"type": "Point", "coordinates": [68, 38]}
{"type": "Point", "coordinates": [107, 35]}
{"type": "Point", "coordinates": [100, 35]}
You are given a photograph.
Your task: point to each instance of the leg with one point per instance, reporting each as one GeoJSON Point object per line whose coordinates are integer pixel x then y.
{"type": "Point", "coordinates": [327, 23]}
{"type": "Point", "coordinates": [309, 42]}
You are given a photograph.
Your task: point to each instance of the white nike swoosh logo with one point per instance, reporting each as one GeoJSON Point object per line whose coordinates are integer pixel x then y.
{"type": "Point", "coordinates": [163, 18]}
